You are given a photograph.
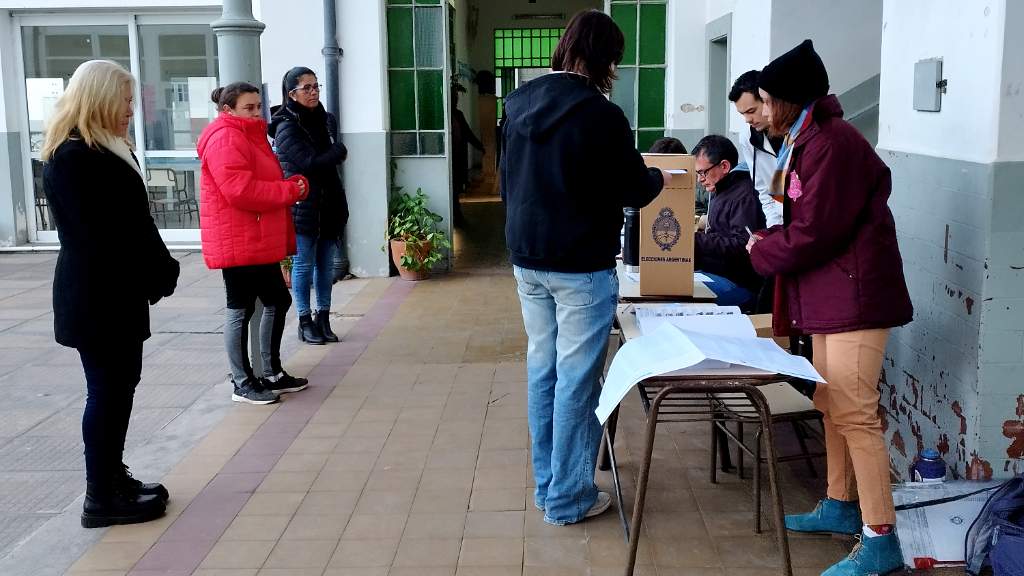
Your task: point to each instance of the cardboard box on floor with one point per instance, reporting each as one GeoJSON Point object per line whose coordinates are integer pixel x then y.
{"type": "Point", "coordinates": [666, 232]}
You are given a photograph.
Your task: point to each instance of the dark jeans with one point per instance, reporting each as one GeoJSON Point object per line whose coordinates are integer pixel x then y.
{"type": "Point", "coordinates": [111, 375]}
{"type": "Point", "coordinates": [242, 286]}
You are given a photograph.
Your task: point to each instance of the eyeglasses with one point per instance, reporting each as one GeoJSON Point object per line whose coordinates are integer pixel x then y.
{"type": "Point", "coordinates": [702, 174]}
{"type": "Point", "coordinates": [307, 88]}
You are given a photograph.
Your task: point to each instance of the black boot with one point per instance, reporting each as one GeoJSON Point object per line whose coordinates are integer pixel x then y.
{"type": "Point", "coordinates": [110, 503]}
{"type": "Point", "coordinates": [323, 323]}
{"type": "Point", "coordinates": [139, 488]}
{"type": "Point", "coordinates": [308, 332]}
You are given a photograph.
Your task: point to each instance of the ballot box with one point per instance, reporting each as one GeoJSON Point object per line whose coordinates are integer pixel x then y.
{"type": "Point", "coordinates": [666, 232]}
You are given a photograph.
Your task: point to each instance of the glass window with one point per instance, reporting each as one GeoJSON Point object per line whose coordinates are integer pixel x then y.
{"type": "Point", "coordinates": [416, 90]}
{"type": "Point", "coordinates": [173, 185]}
{"type": "Point", "coordinates": [521, 48]}
{"type": "Point", "coordinates": [640, 89]}
{"type": "Point", "coordinates": [52, 54]}
{"type": "Point", "coordinates": [179, 71]}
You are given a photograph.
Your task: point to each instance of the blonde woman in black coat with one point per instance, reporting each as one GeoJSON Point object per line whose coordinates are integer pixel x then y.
{"type": "Point", "coordinates": [100, 203]}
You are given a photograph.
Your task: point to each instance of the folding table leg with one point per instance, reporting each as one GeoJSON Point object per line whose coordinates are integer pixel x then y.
{"type": "Point", "coordinates": [641, 482]}
{"type": "Point", "coordinates": [604, 461]}
{"type": "Point", "coordinates": [773, 478]}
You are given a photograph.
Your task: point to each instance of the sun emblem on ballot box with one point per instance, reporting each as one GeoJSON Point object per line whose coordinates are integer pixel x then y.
{"type": "Point", "coordinates": [666, 229]}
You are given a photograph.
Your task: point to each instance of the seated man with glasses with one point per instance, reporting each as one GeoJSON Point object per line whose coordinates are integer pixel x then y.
{"type": "Point", "coordinates": [733, 210]}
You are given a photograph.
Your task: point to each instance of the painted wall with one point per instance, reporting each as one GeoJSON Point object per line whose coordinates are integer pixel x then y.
{"type": "Point", "coordinates": [968, 37]}
{"type": "Point", "coordinates": [847, 35]}
{"type": "Point", "coordinates": [952, 378]}
{"type": "Point", "coordinates": [751, 45]}
{"type": "Point", "coordinates": [685, 79]}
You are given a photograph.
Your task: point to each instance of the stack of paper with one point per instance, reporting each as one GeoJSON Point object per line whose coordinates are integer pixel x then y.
{"type": "Point", "coordinates": [668, 349]}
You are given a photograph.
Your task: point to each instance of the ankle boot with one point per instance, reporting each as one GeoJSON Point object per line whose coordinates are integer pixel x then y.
{"type": "Point", "coordinates": [874, 556]}
{"type": "Point", "coordinates": [308, 332]}
{"type": "Point", "coordinates": [139, 488]}
{"type": "Point", "coordinates": [109, 503]}
{"type": "Point", "coordinates": [829, 516]}
{"type": "Point", "coordinates": [323, 322]}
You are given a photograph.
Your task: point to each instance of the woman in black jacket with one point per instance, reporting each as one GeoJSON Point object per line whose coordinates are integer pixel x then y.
{"type": "Point", "coordinates": [568, 168]}
{"type": "Point", "coordinates": [306, 142]}
{"type": "Point", "coordinates": [99, 199]}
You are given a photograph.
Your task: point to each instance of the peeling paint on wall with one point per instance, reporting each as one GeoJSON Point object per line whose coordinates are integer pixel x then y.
{"type": "Point", "coordinates": [897, 443]}
{"type": "Point", "coordinates": [1014, 430]}
{"type": "Point", "coordinates": [978, 469]}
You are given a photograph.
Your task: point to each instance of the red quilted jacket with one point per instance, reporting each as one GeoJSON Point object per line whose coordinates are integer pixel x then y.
{"type": "Point", "coordinates": [836, 260]}
{"type": "Point", "coordinates": [245, 203]}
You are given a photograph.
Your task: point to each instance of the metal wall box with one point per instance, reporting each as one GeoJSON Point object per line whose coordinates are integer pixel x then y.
{"type": "Point", "coordinates": [928, 85]}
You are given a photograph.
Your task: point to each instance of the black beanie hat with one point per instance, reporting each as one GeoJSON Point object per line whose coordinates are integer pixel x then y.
{"type": "Point", "coordinates": [798, 76]}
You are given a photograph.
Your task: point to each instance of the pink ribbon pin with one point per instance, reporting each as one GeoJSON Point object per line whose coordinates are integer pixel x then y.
{"type": "Point", "coordinates": [796, 189]}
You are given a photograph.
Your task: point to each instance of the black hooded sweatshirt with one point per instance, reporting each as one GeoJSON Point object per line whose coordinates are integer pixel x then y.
{"type": "Point", "coordinates": [568, 168]}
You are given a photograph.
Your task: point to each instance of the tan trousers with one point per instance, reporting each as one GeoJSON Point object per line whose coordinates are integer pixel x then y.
{"type": "Point", "coordinates": [858, 460]}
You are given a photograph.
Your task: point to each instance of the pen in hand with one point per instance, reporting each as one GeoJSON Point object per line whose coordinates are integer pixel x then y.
{"type": "Point", "coordinates": [749, 232]}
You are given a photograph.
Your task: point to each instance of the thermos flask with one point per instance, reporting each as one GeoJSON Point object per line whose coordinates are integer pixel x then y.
{"type": "Point", "coordinates": [631, 240]}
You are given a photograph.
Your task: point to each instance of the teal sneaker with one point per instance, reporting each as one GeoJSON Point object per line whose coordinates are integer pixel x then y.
{"type": "Point", "coordinates": [871, 556]}
{"type": "Point", "coordinates": [829, 516]}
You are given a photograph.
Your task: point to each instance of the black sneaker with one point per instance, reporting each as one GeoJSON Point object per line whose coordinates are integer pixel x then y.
{"type": "Point", "coordinates": [253, 393]}
{"type": "Point", "coordinates": [285, 383]}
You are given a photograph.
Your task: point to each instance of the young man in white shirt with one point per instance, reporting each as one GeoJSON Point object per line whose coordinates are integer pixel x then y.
{"type": "Point", "coordinates": [759, 151]}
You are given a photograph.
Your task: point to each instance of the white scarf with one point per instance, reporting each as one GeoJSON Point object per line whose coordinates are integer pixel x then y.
{"type": "Point", "coordinates": [120, 147]}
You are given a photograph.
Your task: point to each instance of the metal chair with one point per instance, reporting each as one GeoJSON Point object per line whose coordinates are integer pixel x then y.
{"type": "Point", "coordinates": [180, 201]}
{"type": "Point", "coordinates": [786, 404]}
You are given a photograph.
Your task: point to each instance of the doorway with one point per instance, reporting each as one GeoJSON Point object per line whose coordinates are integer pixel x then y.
{"type": "Point", "coordinates": [717, 33]}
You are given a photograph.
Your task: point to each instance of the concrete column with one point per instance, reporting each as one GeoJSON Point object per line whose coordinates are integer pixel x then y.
{"type": "Point", "coordinates": [238, 43]}
{"type": "Point", "coordinates": [238, 55]}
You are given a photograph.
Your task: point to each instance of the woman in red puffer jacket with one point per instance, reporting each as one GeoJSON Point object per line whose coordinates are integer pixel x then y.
{"type": "Point", "coordinates": [247, 229]}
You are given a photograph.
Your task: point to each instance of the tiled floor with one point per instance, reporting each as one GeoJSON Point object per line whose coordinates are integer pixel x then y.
{"type": "Point", "coordinates": [409, 455]}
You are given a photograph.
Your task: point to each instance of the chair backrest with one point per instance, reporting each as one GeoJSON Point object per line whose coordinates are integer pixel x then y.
{"type": "Point", "coordinates": [161, 177]}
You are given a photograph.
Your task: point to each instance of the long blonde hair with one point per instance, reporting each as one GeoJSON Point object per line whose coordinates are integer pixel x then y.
{"type": "Point", "coordinates": [93, 104]}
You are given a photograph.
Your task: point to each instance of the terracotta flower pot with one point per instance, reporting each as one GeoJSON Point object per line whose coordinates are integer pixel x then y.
{"type": "Point", "coordinates": [287, 273]}
{"type": "Point", "coordinates": [398, 248]}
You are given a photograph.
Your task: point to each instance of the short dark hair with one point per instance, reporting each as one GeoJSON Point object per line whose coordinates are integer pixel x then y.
{"type": "Point", "coordinates": [747, 82]}
{"type": "Point", "coordinates": [591, 43]}
{"type": "Point", "coordinates": [667, 145]}
{"type": "Point", "coordinates": [717, 148]}
{"type": "Point", "coordinates": [228, 95]}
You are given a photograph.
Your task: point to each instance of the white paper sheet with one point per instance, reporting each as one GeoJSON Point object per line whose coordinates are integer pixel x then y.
{"type": "Point", "coordinates": [738, 326]}
{"type": "Point", "coordinates": [700, 277]}
{"type": "Point", "coordinates": [664, 350]}
{"type": "Point", "coordinates": [697, 277]}
{"type": "Point", "coordinates": [633, 276]}
{"type": "Point", "coordinates": [668, 349]}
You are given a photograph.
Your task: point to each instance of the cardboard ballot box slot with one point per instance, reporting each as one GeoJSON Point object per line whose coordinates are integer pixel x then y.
{"type": "Point", "coordinates": [666, 231]}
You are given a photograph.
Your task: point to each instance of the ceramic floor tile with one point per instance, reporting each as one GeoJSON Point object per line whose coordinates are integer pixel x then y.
{"type": "Point", "coordinates": [319, 527]}
{"type": "Point", "coordinates": [429, 500]}
{"type": "Point", "coordinates": [495, 524]}
{"type": "Point", "coordinates": [435, 525]}
{"type": "Point", "coordinates": [317, 503]}
{"type": "Point", "coordinates": [498, 500]}
{"type": "Point", "coordinates": [375, 526]}
{"type": "Point", "coordinates": [301, 554]}
{"type": "Point", "coordinates": [111, 556]}
{"type": "Point", "coordinates": [272, 503]}
{"type": "Point", "coordinates": [237, 555]}
{"type": "Point", "coordinates": [418, 552]}
{"type": "Point", "coordinates": [364, 553]}
{"type": "Point", "coordinates": [555, 551]}
{"type": "Point", "coordinates": [385, 502]}
{"type": "Point", "coordinates": [491, 552]}
{"type": "Point", "coordinates": [248, 528]}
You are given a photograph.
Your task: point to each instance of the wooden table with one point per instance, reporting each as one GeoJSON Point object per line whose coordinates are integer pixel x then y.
{"type": "Point", "coordinates": [692, 398]}
{"type": "Point", "coordinates": [629, 291]}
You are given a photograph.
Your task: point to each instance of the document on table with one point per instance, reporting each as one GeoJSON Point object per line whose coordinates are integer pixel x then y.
{"type": "Point", "coordinates": [663, 351]}
{"type": "Point", "coordinates": [668, 349]}
{"type": "Point", "coordinates": [731, 325]}
{"type": "Point", "coordinates": [686, 310]}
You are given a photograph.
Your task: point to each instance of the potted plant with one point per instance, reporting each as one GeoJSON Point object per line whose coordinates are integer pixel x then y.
{"type": "Point", "coordinates": [416, 243]}
{"type": "Point", "coordinates": [286, 270]}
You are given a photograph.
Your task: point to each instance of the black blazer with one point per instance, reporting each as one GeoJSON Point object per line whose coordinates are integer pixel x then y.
{"type": "Point", "coordinates": [112, 262]}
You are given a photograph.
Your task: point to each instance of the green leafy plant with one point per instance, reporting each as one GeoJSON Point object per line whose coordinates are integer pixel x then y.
{"type": "Point", "coordinates": [410, 221]}
{"type": "Point", "coordinates": [287, 263]}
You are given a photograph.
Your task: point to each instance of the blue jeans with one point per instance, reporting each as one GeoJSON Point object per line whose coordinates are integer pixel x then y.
{"type": "Point", "coordinates": [567, 318]}
{"type": "Point", "coordinates": [312, 266]}
{"type": "Point", "coordinates": [729, 293]}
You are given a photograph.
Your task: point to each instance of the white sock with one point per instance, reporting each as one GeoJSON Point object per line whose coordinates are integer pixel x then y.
{"type": "Point", "coordinates": [868, 532]}
{"type": "Point", "coordinates": [275, 377]}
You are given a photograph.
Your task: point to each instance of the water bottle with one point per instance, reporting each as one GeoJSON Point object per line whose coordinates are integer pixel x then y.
{"type": "Point", "coordinates": [929, 467]}
{"type": "Point", "coordinates": [631, 240]}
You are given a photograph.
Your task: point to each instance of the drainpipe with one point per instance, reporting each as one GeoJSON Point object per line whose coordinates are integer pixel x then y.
{"type": "Point", "coordinates": [238, 46]}
{"type": "Point", "coordinates": [332, 55]}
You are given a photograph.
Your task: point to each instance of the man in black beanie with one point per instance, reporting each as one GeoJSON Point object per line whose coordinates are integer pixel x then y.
{"type": "Point", "coordinates": [798, 76]}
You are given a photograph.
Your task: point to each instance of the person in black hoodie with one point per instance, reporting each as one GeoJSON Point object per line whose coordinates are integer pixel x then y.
{"type": "Point", "coordinates": [733, 208]}
{"type": "Point", "coordinates": [568, 167]}
{"type": "Point", "coordinates": [306, 142]}
{"type": "Point", "coordinates": [88, 156]}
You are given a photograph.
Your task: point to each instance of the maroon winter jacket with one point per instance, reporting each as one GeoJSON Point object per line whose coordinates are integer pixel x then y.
{"type": "Point", "coordinates": [836, 261]}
